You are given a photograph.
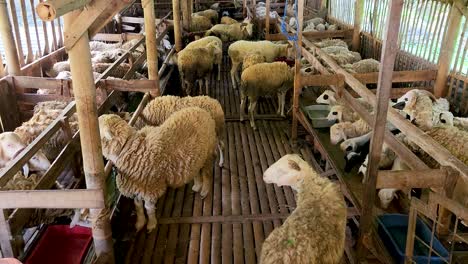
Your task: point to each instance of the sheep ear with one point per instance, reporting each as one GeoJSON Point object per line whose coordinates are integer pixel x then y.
{"type": "Point", "coordinates": [26, 170]}
{"type": "Point", "coordinates": [107, 133]}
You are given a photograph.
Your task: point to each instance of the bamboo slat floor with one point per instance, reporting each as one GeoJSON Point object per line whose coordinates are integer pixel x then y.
{"type": "Point", "coordinates": [231, 223]}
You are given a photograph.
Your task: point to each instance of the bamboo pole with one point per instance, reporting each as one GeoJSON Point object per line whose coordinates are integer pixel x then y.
{"type": "Point", "coordinates": [15, 28]}
{"type": "Point", "coordinates": [297, 68]}
{"type": "Point", "coordinates": [86, 108]}
{"type": "Point", "coordinates": [30, 55]}
{"type": "Point", "coordinates": [267, 20]}
{"type": "Point", "coordinates": [185, 14]}
{"type": "Point", "coordinates": [151, 45]}
{"type": "Point", "coordinates": [52, 9]}
{"type": "Point", "coordinates": [177, 29]}
{"type": "Point", "coordinates": [389, 52]}
{"type": "Point", "coordinates": [358, 18]}
{"type": "Point", "coordinates": [447, 52]}
{"type": "Point", "coordinates": [11, 53]}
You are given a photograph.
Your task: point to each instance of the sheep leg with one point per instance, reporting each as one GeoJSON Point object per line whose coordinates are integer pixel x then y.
{"type": "Point", "coordinates": [151, 212]}
{"type": "Point", "coordinates": [242, 106]}
{"type": "Point", "coordinates": [279, 104]}
{"type": "Point", "coordinates": [141, 220]}
{"type": "Point", "coordinates": [200, 86]}
{"type": "Point", "coordinates": [252, 108]}
{"type": "Point", "coordinates": [198, 182]}
{"type": "Point", "coordinates": [234, 78]}
{"type": "Point", "coordinates": [207, 175]}
{"type": "Point", "coordinates": [207, 83]}
{"type": "Point", "coordinates": [221, 154]}
{"type": "Point", "coordinates": [219, 71]}
{"type": "Point", "coordinates": [282, 98]}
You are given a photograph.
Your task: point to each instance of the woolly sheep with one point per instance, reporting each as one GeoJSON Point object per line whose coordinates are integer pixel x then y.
{"type": "Point", "coordinates": [200, 23]}
{"type": "Point", "coordinates": [419, 105]}
{"type": "Point", "coordinates": [310, 27]}
{"type": "Point", "coordinates": [118, 71]}
{"type": "Point", "coordinates": [197, 64]}
{"type": "Point", "coordinates": [315, 231]}
{"type": "Point", "coordinates": [333, 27]}
{"type": "Point", "coordinates": [386, 195]}
{"type": "Point", "coordinates": [331, 42]}
{"type": "Point", "coordinates": [210, 14]}
{"type": "Point", "coordinates": [228, 20]}
{"type": "Point", "coordinates": [160, 108]}
{"type": "Point", "coordinates": [327, 97]}
{"type": "Point", "coordinates": [265, 79]}
{"type": "Point", "coordinates": [203, 42]}
{"type": "Point", "coordinates": [363, 66]}
{"type": "Point", "coordinates": [315, 21]}
{"type": "Point", "coordinates": [108, 56]}
{"type": "Point", "coordinates": [320, 27]}
{"type": "Point", "coordinates": [342, 55]}
{"type": "Point", "coordinates": [353, 144]}
{"type": "Point", "coordinates": [252, 59]}
{"type": "Point", "coordinates": [233, 32]}
{"type": "Point", "coordinates": [58, 67]}
{"type": "Point", "coordinates": [345, 130]}
{"type": "Point", "coordinates": [342, 113]}
{"type": "Point", "coordinates": [170, 155]}
{"type": "Point", "coordinates": [240, 49]}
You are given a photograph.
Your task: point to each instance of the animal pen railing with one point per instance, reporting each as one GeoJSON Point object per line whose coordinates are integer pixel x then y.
{"type": "Point", "coordinates": [17, 91]}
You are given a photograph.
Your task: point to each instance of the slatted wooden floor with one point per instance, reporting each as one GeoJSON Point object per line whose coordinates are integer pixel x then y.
{"type": "Point", "coordinates": [230, 225]}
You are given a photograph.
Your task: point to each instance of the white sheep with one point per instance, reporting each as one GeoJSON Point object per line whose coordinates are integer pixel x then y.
{"type": "Point", "coordinates": [200, 23]}
{"type": "Point", "coordinates": [342, 55]}
{"type": "Point", "coordinates": [265, 79]}
{"type": "Point", "coordinates": [210, 14]}
{"type": "Point", "coordinates": [315, 231]}
{"type": "Point", "coordinates": [108, 56]}
{"type": "Point", "coordinates": [419, 105]}
{"type": "Point", "coordinates": [149, 161]}
{"type": "Point", "coordinates": [345, 130]}
{"type": "Point", "coordinates": [363, 66]}
{"type": "Point", "coordinates": [342, 113]}
{"type": "Point", "coordinates": [240, 49]}
{"type": "Point", "coordinates": [203, 42]}
{"type": "Point", "coordinates": [160, 108]}
{"type": "Point", "coordinates": [387, 195]}
{"type": "Point", "coordinates": [252, 59]}
{"type": "Point", "coordinates": [228, 20]}
{"type": "Point", "coordinates": [233, 32]}
{"type": "Point", "coordinates": [331, 42]}
{"type": "Point", "coordinates": [447, 118]}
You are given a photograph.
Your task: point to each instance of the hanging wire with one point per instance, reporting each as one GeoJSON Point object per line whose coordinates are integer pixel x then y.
{"type": "Point", "coordinates": [284, 28]}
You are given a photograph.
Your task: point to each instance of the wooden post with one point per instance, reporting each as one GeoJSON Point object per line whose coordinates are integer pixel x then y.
{"type": "Point", "coordinates": [358, 18]}
{"type": "Point", "coordinates": [185, 14]}
{"type": "Point", "coordinates": [6, 33]}
{"type": "Point", "coordinates": [447, 52]}
{"type": "Point", "coordinates": [52, 9]}
{"type": "Point", "coordinates": [151, 45]}
{"type": "Point", "coordinates": [389, 52]}
{"type": "Point", "coordinates": [2, 69]}
{"type": "Point", "coordinates": [86, 108]}
{"type": "Point", "coordinates": [297, 68]}
{"type": "Point", "coordinates": [177, 29]}
{"type": "Point", "coordinates": [267, 20]}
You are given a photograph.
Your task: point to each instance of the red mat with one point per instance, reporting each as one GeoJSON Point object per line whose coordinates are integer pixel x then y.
{"type": "Point", "coordinates": [62, 245]}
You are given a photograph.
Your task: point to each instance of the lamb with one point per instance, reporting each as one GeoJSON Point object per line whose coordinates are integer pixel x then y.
{"type": "Point", "coordinates": [210, 14]}
{"type": "Point", "coordinates": [333, 27]}
{"type": "Point", "coordinates": [447, 118]}
{"type": "Point", "coordinates": [342, 55]}
{"type": "Point", "coordinates": [118, 71]}
{"type": "Point", "coordinates": [240, 49]}
{"type": "Point", "coordinates": [363, 66]}
{"type": "Point", "coordinates": [160, 108]}
{"type": "Point", "coordinates": [386, 195]}
{"type": "Point", "coordinates": [419, 105]}
{"type": "Point", "coordinates": [265, 79]}
{"type": "Point", "coordinates": [170, 155]}
{"type": "Point", "coordinates": [315, 231]}
{"type": "Point", "coordinates": [320, 27]}
{"type": "Point", "coordinates": [108, 56]}
{"type": "Point", "coordinates": [233, 32]}
{"type": "Point", "coordinates": [102, 46]}
{"type": "Point", "coordinates": [331, 42]}
{"type": "Point", "coordinates": [203, 42]}
{"type": "Point", "coordinates": [252, 59]}
{"type": "Point", "coordinates": [342, 113]}
{"type": "Point", "coordinates": [200, 23]}
{"type": "Point", "coordinates": [58, 67]}
{"type": "Point", "coordinates": [228, 20]}
{"type": "Point", "coordinates": [197, 64]}
{"type": "Point", "coordinates": [345, 130]}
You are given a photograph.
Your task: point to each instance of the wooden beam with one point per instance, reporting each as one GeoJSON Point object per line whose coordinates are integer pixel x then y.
{"type": "Point", "coordinates": [5, 237]}
{"type": "Point", "coordinates": [276, 37]}
{"type": "Point", "coordinates": [151, 45]}
{"type": "Point", "coordinates": [297, 70]}
{"type": "Point", "coordinates": [447, 52]}
{"type": "Point", "coordinates": [398, 76]}
{"type": "Point", "coordinates": [177, 29]}
{"type": "Point", "coordinates": [322, 80]}
{"type": "Point", "coordinates": [431, 178]}
{"type": "Point", "coordinates": [87, 198]}
{"type": "Point", "coordinates": [358, 18]}
{"type": "Point", "coordinates": [267, 20]}
{"type": "Point", "coordinates": [389, 52]}
{"type": "Point", "coordinates": [8, 106]}
{"type": "Point", "coordinates": [116, 37]}
{"type": "Point", "coordinates": [52, 9]}
{"type": "Point", "coordinates": [6, 33]}
{"type": "Point", "coordinates": [86, 108]}
{"type": "Point", "coordinates": [185, 14]}
{"type": "Point", "coordinates": [113, 7]}
{"type": "Point", "coordinates": [344, 33]}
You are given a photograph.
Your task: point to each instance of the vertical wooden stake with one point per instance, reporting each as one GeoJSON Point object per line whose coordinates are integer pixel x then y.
{"type": "Point", "coordinates": [267, 20]}
{"type": "Point", "coordinates": [2, 69]}
{"type": "Point", "coordinates": [389, 52]}
{"type": "Point", "coordinates": [185, 14]}
{"type": "Point", "coordinates": [6, 33]}
{"type": "Point", "coordinates": [151, 45]}
{"type": "Point", "coordinates": [5, 236]}
{"type": "Point", "coordinates": [177, 29]}
{"type": "Point", "coordinates": [93, 164]}
{"type": "Point", "coordinates": [358, 18]}
{"type": "Point", "coordinates": [297, 69]}
{"type": "Point", "coordinates": [447, 52]}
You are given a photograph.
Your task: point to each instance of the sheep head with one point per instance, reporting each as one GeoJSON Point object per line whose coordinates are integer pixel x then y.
{"type": "Point", "coordinates": [443, 118]}
{"type": "Point", "coordinates": [114, 133]}
{"type": "Point", "coordinates": [327, 97]}
{"type": "Point", "coordinates": [337, 133]}
{"type": "Point", "coordinates": [247, 30]}
{"type": "Point", "coordinates": [289, 170]}
{"type": "Point", "coordinates": [386, 196]}
{"type": "Point", "coordinates": [336, 113]}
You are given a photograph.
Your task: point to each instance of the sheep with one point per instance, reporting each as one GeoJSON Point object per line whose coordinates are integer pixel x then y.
{"type": "Point", "coordinates": [345, 130]}
{"type": "Point", "coordinates": [331, 42]}
{"type": "Point", "coordinates": [315, 21]}
{"type": "Point", "coordinates": [228, 20]}
{"type": "Point", "coordinates": [203, 42]}
{"type": "Point", "coordinates": [210, 14]}
{"type": "Point", "coordinates": [170, 155]}
{"type": "Point", "coordinates": [327, 97]}
{"type": "Point", "coordinates": [447, 118]}
{"type": "Point", "coordinates": [200, 23]}
{"type": "Point", "coordinates": [419, 105]}
{"type": "Point", "coordinates": [108, 56]}
{"type": "Point", "coordinates": [363, 66]}
{"type": "Point", "coordinates": [356, 143]}
{"type": "Point", "coordinates": [11, 146]}
{"type": "Point", "coordinates": [386, 195]}
{"type": "Point", "coordinates": [102, 46]}
{"type": "Point", "coordinates": [239, 49]}
{"type": "Point", "coordinates": [233, 32]}
{"type": "Point", "coordinates": [64, 75]}
{"type": "Point", "coordinates": [118, 71]}
{"type": "Point", "coordinates": [160, 108]}
{"type": "Point", "coordinates": [197, 64]}
{"type": "Point", "coordinates": [333, 27]}
{"type": "Point", "coordinates": [342, 55]}
{"type": "Point", "coordinates": [265, 79]}
{"type": "Point", "coordinates": [252, 59]}
{"type": "Point", "coordinates": [342, 113]}
{"type": "Point", "coordinates": [315, 231]}
{"type": "Point", "coordinates": [310, 27]}
{"type": "Point", "coordinates": [58, 67]}
{"type": "Point", "coordinates": [320, 27]}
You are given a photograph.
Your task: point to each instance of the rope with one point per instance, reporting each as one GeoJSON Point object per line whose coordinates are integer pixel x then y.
{"type": "Point", "coordinates": [284, 28]}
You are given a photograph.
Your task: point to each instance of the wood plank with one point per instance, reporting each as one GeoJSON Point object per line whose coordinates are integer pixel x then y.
{"type": "Point", "coordinates": [87, 198]}
{"type": "Point", "coordinates": [184, 233]}
{"type": "Point", "coordinates": [346, 33]}
{"type": "Point", "coordinates": [116, 37]}
{"type": "Point", "coordinates": [173, 235]}
{"type": "Point", "coordinates": [322, 80]}
{"type": "Point", "coordinates": [194, 246]}
{"type": "Point", "coordinates": [399, 76]}
{"type": "Point", "coordinates": [227, 235]}
{"type": "Point", "coordinates": [162, 238]}
{"type": "Point", "coordinates": [432, 178]}
{"type": "Point", "coordinates": [33, 99]}
{"type": "Point", "coordinates": [9, 116]}
{"type": "Point", "coordinates": [26, 82]}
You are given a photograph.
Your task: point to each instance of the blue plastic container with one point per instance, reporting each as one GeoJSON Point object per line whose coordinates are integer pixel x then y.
{"type": "Point", "coordinates": [393, 229]}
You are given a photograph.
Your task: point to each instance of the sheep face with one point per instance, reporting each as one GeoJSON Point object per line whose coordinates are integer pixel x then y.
{"type": "Point", "coordinates": [386, 196]}
{"type": "Point", "coordinates": [114, 132]}
{"type": "Point", "coordinates": [247, 29]}
{"type": "Point", "coordinates": [444, 118]}
{"type": "Point", "coordinates": [39, 162]}
{"type": "Point", "coordinates": [363, 167]}
{"type": "Point", "coordinates": [327, 97]}
{"type": "Point", "coordinates": [406, 100]}
{"type": "Point", "coordinates": [336, 113]}
{"type": "Point", "coordinates": [348, 146]}
{"type": "Point", "coordinates": [337, 134]}
{"type": "Point", "coordinates": [287, 171]}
